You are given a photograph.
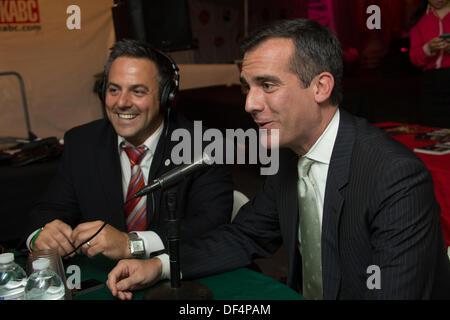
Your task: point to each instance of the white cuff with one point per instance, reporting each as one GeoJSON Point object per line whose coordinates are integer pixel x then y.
{"type": "Point", "coordinates": [165, 274]}
{"type": "Point", "coordinates": [152, 242]}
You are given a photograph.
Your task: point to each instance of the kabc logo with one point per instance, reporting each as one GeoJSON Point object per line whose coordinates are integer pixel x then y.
{"type": "Point", "coordinates": [19, 11]}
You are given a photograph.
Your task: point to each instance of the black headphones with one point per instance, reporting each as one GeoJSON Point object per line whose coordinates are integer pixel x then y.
{"type": "Point", "coordinates": [168, 91]}
{"type": "Point", "coordinates": [170, 87]}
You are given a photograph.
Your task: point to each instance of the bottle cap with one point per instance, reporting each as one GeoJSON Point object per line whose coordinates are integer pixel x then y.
{"type": "Point", "coordinates": [6, 258]}
{"type": "Point", "coordinates": [41, 264]}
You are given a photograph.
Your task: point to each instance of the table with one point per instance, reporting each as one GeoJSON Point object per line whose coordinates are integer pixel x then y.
{"type": "Point", "coordinates": [438, 165]}
{"type": "Point", "coordinates": [239, 284]}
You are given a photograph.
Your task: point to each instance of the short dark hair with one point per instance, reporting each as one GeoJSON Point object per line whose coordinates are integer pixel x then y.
{"type": "Point", "coordinates": [317, 50]}
{"type": "Point", "coordinates": [137, 49]}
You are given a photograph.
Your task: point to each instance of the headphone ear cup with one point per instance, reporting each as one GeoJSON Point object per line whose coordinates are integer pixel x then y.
{"type": "Point", "coordinates": [171, 94]}
{"type": "Point", "coordinates": [163, 99]}
{"type": "Point", "coordinates": [167, 96]}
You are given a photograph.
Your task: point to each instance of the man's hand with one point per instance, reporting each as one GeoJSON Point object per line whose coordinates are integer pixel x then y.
{"type": "Point", "coordinates": [130, 275]}
{"type": "Point", "coordinates": [56, 235]}
{"type": "Point", "coordinates": [110, 242]}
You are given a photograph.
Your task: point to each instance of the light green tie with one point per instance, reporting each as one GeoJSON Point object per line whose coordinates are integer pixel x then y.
{"type": "Point", "coordinates": [310, 233]}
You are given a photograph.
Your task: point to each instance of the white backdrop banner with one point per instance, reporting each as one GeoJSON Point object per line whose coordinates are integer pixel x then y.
{"type": "Point", "coordinates": [57, 46]}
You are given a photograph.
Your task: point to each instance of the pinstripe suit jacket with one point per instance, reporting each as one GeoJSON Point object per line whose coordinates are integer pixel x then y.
{"type": "Point", "coordinates": [379, 209]}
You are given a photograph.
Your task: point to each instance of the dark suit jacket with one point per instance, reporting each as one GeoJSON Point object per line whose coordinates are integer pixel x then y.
{"type": "Point", "coordinates": [379, 209]}
{"type": "Point", "coordinates": [88, 185]}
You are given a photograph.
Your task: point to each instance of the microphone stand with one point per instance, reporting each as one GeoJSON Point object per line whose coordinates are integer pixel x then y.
{"type": "Point", "coordinates": [177, 290]}
{"type": "Point", "coordinates": [31, 135]}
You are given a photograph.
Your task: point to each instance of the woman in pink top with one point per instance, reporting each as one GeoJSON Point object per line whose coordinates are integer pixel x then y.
{"type": "Point", "coordinates": [432, 53]}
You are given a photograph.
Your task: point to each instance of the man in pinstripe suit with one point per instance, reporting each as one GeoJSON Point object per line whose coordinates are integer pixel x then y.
{"type": "Point", "coordinates": [373, 197]}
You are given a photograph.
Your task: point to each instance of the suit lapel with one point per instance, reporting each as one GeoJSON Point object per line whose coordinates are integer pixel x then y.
{"type": "Point", "coordinates": [110, 177]}
{"type": "Point", "coordinates": [159, 157]}
{"type": "Point", "coordinates": [288, 211]}
{"type": "Point", "coordinates": [338, 175]}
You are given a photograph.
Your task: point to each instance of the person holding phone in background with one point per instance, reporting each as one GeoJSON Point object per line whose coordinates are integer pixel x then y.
{"type": "Point", "coordinates": [430, 50]}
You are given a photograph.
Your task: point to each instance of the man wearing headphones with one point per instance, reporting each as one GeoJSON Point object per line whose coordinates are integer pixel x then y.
{"type": "Point", "coordinates": [106, 161]}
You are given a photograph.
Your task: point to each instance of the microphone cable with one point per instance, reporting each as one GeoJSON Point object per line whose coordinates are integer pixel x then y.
{"type": "Point", "coordinates": [83, 243]}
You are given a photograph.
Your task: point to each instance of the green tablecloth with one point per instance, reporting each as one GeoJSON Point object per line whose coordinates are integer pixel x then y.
{"type": "Point", "coordinates": [240, 284]}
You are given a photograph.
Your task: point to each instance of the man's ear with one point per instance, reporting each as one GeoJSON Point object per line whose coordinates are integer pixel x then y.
{"type": "Point", "coordinates": [323, 87]}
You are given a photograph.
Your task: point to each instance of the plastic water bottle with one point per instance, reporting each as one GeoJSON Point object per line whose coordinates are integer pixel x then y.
{"type": "Point", "coordinates": [44, 283]}
{"type": "Point", "coordinates": [12, 278]}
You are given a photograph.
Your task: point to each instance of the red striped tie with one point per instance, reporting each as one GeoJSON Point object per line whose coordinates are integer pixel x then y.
{"type": "Point", "coordinates": [136, 209]}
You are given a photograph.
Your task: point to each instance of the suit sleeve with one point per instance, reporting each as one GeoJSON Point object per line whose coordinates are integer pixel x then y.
{"type": "Point", "coordinates": [59, 200]}
{"type": "Point", "coordinates": [209, 202]}
{"type": "Point", "coordinates": [204, 202]}
{"type": "Point", "coordinates": [254, 233]}
{"type": "Point", "coordinates": [405, 235]}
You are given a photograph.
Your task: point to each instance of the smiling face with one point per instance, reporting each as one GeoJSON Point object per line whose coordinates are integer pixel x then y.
{"type": "Point", "coordinates": [132, 98]}
{"type": "Point", "coordinates": [276, 98]}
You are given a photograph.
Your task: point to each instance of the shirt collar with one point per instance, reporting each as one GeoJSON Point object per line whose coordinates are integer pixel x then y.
{"type": "Point", "coordinates": [323, 147]}
{"type": "Point", "coordinates": [150, 143]}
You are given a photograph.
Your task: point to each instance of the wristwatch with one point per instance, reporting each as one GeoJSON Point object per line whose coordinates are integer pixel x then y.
{"type": "Point", "coordinates": [136, 245]}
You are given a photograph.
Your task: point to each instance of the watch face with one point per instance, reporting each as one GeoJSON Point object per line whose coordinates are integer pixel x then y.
{"type": "Point", "coordinates": [137, 246]}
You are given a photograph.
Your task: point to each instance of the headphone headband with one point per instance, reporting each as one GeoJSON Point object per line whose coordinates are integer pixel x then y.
{"type": "Point", "coordinates": [168, 90]}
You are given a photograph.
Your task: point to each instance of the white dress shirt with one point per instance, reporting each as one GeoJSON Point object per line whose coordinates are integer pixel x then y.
{"type": "Point", "coordinates": [152, 241]}
{"type": "Point", "coordinates": [321, 152]}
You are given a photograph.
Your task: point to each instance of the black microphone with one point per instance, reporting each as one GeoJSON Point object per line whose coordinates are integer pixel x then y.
{"type": "Point", "coordinates": [173, 176]}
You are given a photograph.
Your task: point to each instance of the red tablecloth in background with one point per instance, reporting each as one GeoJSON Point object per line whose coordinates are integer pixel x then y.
{"type": "Point", "coordinates": [438, 165]}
